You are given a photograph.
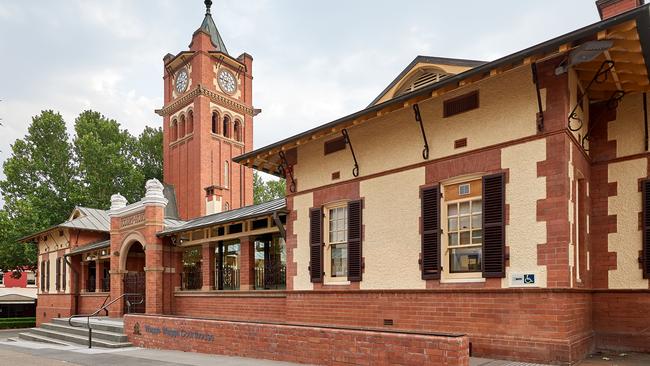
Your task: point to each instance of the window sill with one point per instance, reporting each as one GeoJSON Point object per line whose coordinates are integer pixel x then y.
{"type": "Point", "coordinates": [340, 283]}
{"type": "Point", "coordinates": [462, 280]}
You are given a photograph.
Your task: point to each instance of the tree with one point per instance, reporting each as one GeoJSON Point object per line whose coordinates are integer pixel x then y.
{"type": "Point", "coordinates": [149, 153]}
{"type": "Point", "coordinates": [40, 181]}
{"type": "Point", "coordinates": [107, 157]}
{"type": "Point", "coordinates": [264, 191]}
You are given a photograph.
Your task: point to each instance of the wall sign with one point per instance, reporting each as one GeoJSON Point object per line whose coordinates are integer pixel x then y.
{"type": "Point", "coordinates": [176, 333]}
{"type": "Point", "coordinates": [132, 220]}
{"type": "Point", "coordinates": [523, 280]}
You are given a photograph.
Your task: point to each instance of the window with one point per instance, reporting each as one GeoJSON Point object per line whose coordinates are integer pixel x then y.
{"type": "Point", "coordinates": [181, 127]}
{"type": "Point", "coordinates": [190, 122]}
{"type": "Point", "coordinates": [191, 278]}
{"type": "Point", "coordinates": [31, 279]}
{"type": "Point", "coordinates": [337, 245]}
{"type": "Point", "coordinates": [2, 278]}
{"type": "Point", "coordinates": [226, 126]}
{"type": "Point", "coordinates": [464, 229]}
{"type": "Point", "coordinates": [215, 122]}
{"type": "Point", "coordinates": [237, 131]}
{"type": "Point", "coordinates": [174, 130]}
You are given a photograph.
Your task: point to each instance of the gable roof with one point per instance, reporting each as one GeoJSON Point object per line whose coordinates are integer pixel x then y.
{"type": "Point", "coordinates": [427, 60]}
{"type": "Point", "coordinates": [91, 219]}
{"type": "Point", "coordinates": [209, 27]}
{"type": "Point", "coordinates": [267, 158]}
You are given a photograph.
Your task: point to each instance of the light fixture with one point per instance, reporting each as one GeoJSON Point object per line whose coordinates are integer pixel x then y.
{"type": "Point", "coordinates": [586, 52]}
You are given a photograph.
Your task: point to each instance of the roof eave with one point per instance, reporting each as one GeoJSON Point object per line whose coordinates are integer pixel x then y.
{"type": "Point", "coordinates": [550, 45]}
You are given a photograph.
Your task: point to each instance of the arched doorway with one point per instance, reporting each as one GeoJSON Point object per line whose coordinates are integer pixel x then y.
{"type": "Point", "coordinates": [134, 279]}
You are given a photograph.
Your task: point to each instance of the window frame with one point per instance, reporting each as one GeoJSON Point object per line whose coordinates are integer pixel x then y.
{"type": "Point", "coordinates": [445, 249]}
{"type": "Point", "coordinates": [328, 279]}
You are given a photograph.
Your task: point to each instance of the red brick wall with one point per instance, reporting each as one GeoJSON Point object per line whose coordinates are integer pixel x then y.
{"type": "Point", "coordinates": [622, 321]}
{"type": "Point", "coordinates": [247, 306]}
{"type": "Point", "coordinates": [613, 8]}
{"type": "Point", "coordinates": [88, 304]}
{"type": "Point", "coordinates": [311, 345]}
{"type": "Point", "coordinates": [53, 306]}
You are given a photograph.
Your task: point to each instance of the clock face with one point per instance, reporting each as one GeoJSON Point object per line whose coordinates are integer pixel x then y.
{"type": "Point", "coordinates": [182, 80]}
{"type": "Point", "coordinates": [227, 81]}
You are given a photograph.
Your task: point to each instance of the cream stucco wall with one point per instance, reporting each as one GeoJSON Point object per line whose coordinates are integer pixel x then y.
{"type": "Point", "coordinates": [627, 240]}
{"type": "Point", "coordinates": [49, 247]}
{"type": "Point", "coordinates": [391, 245]}
{"type": "Point", "coordinates": [628, 127]}
{"type": "Point", "coordinates": [301, 204]}
{"type": "Point", "coordinates": [523, 190]}
{"type": "Point", "coordinates": [507, 111]}
{"type": "Point", "coordinates": [571, 215]}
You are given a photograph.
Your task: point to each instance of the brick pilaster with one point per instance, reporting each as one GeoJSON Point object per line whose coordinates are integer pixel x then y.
{"type": "Point", "coordinates": [207, 266]}
{"type": "Point", "coordinates": [247, 271]}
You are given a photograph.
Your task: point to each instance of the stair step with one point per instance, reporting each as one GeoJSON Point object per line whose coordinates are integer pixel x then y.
{"type": "Point", "coordinates": [117, 337]}
{"type": "Point", "coordinates": [104, 324]}
{"type": "Point", "coordinates": [78, 339]}
{"type": "Point", "coordinates": [29, 336]}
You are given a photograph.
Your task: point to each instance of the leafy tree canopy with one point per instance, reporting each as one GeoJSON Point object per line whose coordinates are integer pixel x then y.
{"type": "Point", "coordinates": [264, 191]}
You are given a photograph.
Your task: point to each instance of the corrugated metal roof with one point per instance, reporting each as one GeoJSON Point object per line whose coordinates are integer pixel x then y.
{"type": "Point", "coordinates": [247, 212]}
{"type": "Point", "coordinates": [15, 299]}
{"type": "Point", "coordinates": [90, 219]}
{"type": "Point", "coordinates": [89, 247]}
{"type": "Point", "coordinates": [170, 223]}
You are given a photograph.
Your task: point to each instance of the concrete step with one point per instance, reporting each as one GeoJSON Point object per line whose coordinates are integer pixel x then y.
{"type": "Point", "coordinates": [98, 323]}
{"type": "Point", "coordinates": [28, 336]}
{"type": "Point", "coordinates": [74, 338]}
{"type": "Point", "coordinates": [117, 337]}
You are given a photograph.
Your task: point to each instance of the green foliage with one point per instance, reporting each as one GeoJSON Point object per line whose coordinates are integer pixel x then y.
{"type": "Point", "coordinates": [46, 176]}
{"type": "Point", "coordinates": [14, 323]}
{"type": "Point", "coordinates": [264, 191]}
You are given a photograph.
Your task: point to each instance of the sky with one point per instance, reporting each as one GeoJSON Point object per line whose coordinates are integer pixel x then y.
{"type": "Point", "coordinates": [314, 61]}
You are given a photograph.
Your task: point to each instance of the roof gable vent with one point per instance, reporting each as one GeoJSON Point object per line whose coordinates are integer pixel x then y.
{"type": "Point", "coordinates": [426, 77]}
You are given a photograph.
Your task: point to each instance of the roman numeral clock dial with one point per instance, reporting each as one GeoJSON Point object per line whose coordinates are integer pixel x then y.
{"type": "Point", "coordinates": [182, 80]}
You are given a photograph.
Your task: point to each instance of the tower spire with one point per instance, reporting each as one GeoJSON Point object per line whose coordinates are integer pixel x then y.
{"type": "Point", "coordinates": [210, 28]}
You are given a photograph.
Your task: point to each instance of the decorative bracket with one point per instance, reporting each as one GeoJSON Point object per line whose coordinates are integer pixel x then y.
{"type": "Point", "coordinates": [355, 170]}
{"type": "Point", "coordinates": [540, 110]}
{"type": "Point", "coordinates": [418, 118]}
{"type": "Point", "coordinates": [612, 103]}
{"type": "Point", "coordinates": [287, 171]}
{"type": "Point", "coordinates": [599, 78]}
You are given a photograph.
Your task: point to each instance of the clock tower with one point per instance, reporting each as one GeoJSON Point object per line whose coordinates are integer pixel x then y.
{"type": "Point", "coordinates": [207, 120]}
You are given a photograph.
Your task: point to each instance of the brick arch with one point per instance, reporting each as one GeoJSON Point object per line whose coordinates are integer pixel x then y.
{"type": "Point", "coordinates": [132, 238]}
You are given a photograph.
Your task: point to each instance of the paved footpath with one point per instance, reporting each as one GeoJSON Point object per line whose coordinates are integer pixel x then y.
{"type": "Point", "coordinates": [26, 353]}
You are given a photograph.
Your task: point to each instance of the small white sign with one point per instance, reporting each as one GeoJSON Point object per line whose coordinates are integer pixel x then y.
{"type": "Point", "coordinates": [523, 280]}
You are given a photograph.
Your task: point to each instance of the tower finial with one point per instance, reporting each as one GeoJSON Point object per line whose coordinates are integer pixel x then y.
{"type": "Point", "coordinates": [208, 4]}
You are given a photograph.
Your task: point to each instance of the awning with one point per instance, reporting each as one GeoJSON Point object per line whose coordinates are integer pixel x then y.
{"type": "Point", "coordinates": [90, 247]}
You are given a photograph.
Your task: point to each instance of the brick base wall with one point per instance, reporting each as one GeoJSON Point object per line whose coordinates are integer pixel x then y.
{"type": "Point", "coordinates": [89, 303]}
{"type": "Point", "coordinates": [533, 325]}
{"type": "Point", "coordinates": [53, 306]}
{"type": "Point", "coordinates": [312, 345]}
{"type": "Point", "coordinates": [622, 320]}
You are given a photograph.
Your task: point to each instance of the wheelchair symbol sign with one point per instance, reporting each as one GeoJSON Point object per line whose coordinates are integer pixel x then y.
{"type": "Point", "coordinates": [529, 279]}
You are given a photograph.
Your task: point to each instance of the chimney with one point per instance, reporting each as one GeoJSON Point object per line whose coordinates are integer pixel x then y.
{"type": "Point", "coordinates": [611, 8]}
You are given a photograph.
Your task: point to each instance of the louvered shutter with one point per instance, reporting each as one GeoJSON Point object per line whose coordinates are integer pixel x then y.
{"type": "Point", "coordinates": [47, 275]}
{"type": "Point", "coordinates": [645, 258]}
{"type": "Point", "coordinates": [57, 279]}
{"type": "Point", "coordinates": [355, 259]}
{"type": "Point", "coordinates": [316, 245]}
{"type": "Point", "coordinates": [64, 279]}
{"type": "Point", "coordinates": [42, 276]}
{"type": "Point", "coordinates": [430, 199]}
{"type": "Point", "coordinates": [494, 226]}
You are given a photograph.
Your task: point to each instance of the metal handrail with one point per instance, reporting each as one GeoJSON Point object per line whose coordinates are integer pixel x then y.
{"type": "Point", "coordinates": [105, 308]}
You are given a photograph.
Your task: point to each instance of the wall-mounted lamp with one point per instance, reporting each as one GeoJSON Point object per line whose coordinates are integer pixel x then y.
{"type": "Point", "coordinates": [586, 52]}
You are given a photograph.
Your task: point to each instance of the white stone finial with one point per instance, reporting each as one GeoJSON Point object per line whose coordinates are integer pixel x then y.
{"type": "Point", "coordinates": [117, 202]}
{"type": "Point", "coordinates": [154, 193]}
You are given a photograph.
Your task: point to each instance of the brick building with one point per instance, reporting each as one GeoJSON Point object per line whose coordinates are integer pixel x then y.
{"type": "Point", "coordinates": [500, 206]}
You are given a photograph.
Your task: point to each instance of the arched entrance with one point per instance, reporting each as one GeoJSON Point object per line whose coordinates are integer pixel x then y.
{"type": "Point", "coordinates": [134, 278]}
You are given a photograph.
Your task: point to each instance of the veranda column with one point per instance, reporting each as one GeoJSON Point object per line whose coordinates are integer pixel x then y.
{"type": "Point", "coordinates": [247, 272]}
{"type": "Point", "coordinates": [99, 272]}
{"type": "Point", "coordinates": [207, 266]}
{"type": "Point", "coordinates": [83, 280]}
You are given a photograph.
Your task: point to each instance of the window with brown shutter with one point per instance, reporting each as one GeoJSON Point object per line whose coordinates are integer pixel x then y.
{"type": "Point", "coordinates": [63, 279]}
{"type": "Point", "coordinates": [42, 276]}
{"type": "Point", "coordinates": [355, 259]}
{"type": "Point", "coordinates": [57, 279]}
{"type": "Point", "coordinates": [460, 104]}
{"type": "Point", "coordinates": [430, 199]}
{"type": "Point", "coordinates": [494, 226]}
{"type": "Point", "coordinates": [47, 275]}
{"type": "Point", "coordinates": [316, 245]}
{"type": "Point", "coordinates": [645, 258]}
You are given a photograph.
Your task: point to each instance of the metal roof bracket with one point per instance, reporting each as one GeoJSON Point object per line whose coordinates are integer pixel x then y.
{"type": "Point", "coordinates": [287, 171]}
{"type": "Point", "coordinates": [599, 78]}
{"type": "Point", "coordinates": [279, 224]}
{"type": "Point", "coordinates": [418, 118]}
{"type": "Point", "coordinates": [540, 109]}
{"type": "Point", "coordinates": [346, 136]}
